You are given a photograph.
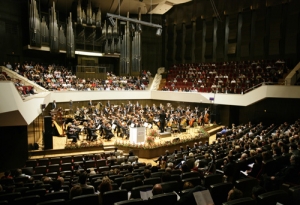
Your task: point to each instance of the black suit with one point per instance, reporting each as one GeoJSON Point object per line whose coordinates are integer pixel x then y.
{"type": "Point", "coordinates": [188, 198]}
{"type": "Point", "coordinates": [72, 134]}
{"type": "Point", "coordinates": [162, 119]}
{"type": "Point", "coordinates": [108, 132]}
{"type": "Point", "coordinates": [53, 106]}
{"type": "Point", "coordinates": [91, 135]}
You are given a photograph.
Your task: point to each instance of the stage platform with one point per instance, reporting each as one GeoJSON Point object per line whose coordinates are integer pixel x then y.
{"type": "Point", "coordinates": [59, 145]}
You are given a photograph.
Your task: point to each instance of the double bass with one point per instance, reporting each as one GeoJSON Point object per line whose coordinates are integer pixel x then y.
{"type": "Point", "coordinates": [206, 117]}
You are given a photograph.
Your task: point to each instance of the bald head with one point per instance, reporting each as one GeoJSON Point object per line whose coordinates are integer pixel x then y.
{"type": "Point", "coordinates": [157, 189]}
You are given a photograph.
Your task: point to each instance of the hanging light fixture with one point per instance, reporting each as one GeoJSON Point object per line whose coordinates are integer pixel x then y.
{"type": "Point", "coordinates": [159, 31]}
{"type": "Point", "coordinates": [139, 28]}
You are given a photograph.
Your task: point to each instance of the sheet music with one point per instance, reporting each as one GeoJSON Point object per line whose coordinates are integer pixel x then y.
{"type": "Point", "coordinates": [98, 127]}
{"type": "Point", "coordinates": [145, 124]}
{"type": "Point", "coordinates": [203, 197]}
{"type": "Point", "coordinates": [245, 173]}
{"type": "Point", "coordinates": [145, 195]}
{"type": "Point", "coordinates": [251, 165]}
{"type": "Point", "coordinates": [114, 126]}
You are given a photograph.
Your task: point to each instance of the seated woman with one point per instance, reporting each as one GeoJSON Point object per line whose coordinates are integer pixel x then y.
{"type": "Point", "coordinates": [104, 187]}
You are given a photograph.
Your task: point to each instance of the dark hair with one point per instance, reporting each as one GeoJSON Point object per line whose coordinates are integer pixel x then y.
{"type": "Point", "coordinates": [139, 182]}
{"type": "Point", "coordinates": [293, 146]}
{"type": "Point", "coordinates": [130, 153]}
{"type": "Point", "coordinates": [257, 190]}
{"type": "Point", "coordinates": [185, 168]}
{"type": "Point", "coordinates": [82, 178]}
{"type": "Point", "coordinates": [75, 191]}
{"type": "Point", "coordinates": [130, 168]}
{"type": "Point", "coordinates": [147, 173]}
{"type": "Point", "coordinates": [128, 178]}
{"type": "Point", "coordinates": [277, 150]}
{"type": "Point", "coordinates": [236, 194]}
{"type": "Point", "coordinates": [104, 187]}
{"type": "Point", "coordinates": [56, 185]}
{"type": "Point", "coordinates": [166, 177]}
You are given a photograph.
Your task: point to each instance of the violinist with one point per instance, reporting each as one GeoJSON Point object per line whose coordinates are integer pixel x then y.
{"type": "Point", "coordinates": [72, 132]}
{"type": "Point", "coordinates": [108, 132]}
{"type": "Point", "coordinates": [91, 133]}
{"type": "Point", "coordinates": [125, 130]}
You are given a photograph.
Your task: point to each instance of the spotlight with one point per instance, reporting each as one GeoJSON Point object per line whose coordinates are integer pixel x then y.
{"type": "Point", "coordinates": [158, 32]}
{"type": "Point", "coordinates": [139, 28]}
{"type": "Point", "coordinates": [110, 21]}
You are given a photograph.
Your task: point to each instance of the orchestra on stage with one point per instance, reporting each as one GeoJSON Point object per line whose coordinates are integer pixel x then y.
{"type": "Point", "coordinates": [109, 120]}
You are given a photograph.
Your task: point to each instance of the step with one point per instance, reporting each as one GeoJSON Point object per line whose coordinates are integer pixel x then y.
{"type": "Point", "coordinates": [165, 134]}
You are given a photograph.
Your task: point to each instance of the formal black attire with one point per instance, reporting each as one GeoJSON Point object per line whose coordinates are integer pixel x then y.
{"type": "Point", "coordinates": [53, 105]}
{"type": "Point", "coordinates": [162, 120]}
{"type": "Point", "coordinates": [91, 136]}
{"type": "Point", "coordinates": [71, 134]}
{"type": "Point", "coordinates": [108, 132]}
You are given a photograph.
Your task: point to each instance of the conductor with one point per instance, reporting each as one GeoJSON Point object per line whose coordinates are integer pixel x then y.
{"type": "Point", "coordinates": [162, 120]}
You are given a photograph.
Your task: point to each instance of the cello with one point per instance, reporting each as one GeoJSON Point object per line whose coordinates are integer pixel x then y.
{"type": "Point", "coordinates": [206, 118]}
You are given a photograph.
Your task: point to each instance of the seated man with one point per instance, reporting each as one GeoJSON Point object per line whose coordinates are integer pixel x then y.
{"type": "Point", "coordinates": [91, 133]}
{"type": "Point", "coordinates": [108, 132]}
{"type": "Point", "coordinates": [157, 189]}
{"type": "Point", "coordinates": [288, 174]}
{"type": "Point", "coordinates": [71, 133]}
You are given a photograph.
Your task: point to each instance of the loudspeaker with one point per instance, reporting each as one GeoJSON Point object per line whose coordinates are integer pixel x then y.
{"type": "Point", "coordinates": [48, 141]}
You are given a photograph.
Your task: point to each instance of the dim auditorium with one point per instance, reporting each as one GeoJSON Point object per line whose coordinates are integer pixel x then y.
{"type": "Point", "coordinates": [139, 102]}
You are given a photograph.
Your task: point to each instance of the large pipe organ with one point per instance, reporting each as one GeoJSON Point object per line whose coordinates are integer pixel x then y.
{"type": "Point", "coordinates": [87, 33]}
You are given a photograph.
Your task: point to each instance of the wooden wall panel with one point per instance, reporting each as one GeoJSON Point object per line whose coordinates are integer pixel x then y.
{"type": "Point", "coordinates": [178, 55]}
{"type": "Point", "coordinates": [220, 41]}
{"type": "Point", "coordinates": [292, 28]}
{"type": "Point", "coordinates": [198, 40]}
{"type": "Point", "coordinates": [188, 44]}
{"type": "Point", "coordinates": [209, 39]}
{"type": "Point", "coordinates": [170, 45]}
{"type": "Point", "coordinates": [246, 34]}
{"type": "Point", "coordinates": [275, 29]}
{"type": "Point", "coordinates": [260, 27]}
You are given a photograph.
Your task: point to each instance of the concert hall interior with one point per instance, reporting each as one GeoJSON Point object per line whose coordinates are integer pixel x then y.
{"type": "Point", "coordinates": [204, 87]}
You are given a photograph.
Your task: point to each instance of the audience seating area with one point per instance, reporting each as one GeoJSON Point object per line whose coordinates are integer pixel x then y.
{"type": "Point", "coordinates": [270, 150]}
{"type": "Point", "coordinates": [230, 77]}
{"type": "Point", "coordinates": [58, 78]}
{"type": "Point", "coordinates": [23, 90]}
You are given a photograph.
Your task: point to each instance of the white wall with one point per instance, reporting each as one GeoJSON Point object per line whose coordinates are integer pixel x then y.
{"type": "Point", "coordinates": [29, 109]}
{"type": "Point", "coordinates": [11, 102]}
{"type": "Point", "coordinates": [66, 96]}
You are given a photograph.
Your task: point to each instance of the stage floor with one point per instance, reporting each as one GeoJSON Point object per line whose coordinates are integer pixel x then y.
{"type": "Point", "coordinates": [59, 143]}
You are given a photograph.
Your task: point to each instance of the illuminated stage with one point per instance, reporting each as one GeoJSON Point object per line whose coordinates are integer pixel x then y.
{"type": "Point", "coordinates": [63, 146]}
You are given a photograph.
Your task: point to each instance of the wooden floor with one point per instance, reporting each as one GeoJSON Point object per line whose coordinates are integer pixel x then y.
{"type": "Point", "coordinates": [60, 142]}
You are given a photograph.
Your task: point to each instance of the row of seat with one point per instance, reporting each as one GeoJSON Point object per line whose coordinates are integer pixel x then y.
{"type": "Point", "coordinates": [218, 192]}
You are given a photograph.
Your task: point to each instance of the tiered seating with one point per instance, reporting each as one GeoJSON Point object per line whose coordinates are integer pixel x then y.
{"type": "Point", "coordinates": [56, 77]}
{"type": "Point", "coordinates": [237, 143]}
{"type": "Point", "coordinates": [233, 77]}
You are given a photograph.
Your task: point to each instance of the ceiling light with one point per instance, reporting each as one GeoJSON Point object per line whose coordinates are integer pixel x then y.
{"type": "Point", "coordinates": [88, 53]}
